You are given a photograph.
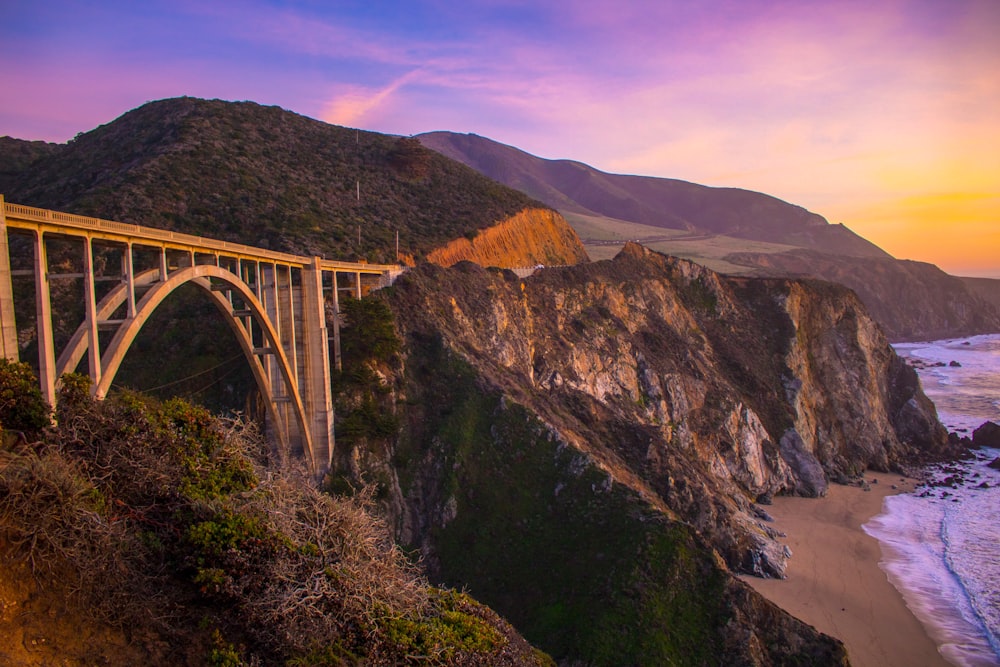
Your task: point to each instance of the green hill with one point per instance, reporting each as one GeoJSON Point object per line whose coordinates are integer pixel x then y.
{"type": "Point", "coordinates": [260, 175]}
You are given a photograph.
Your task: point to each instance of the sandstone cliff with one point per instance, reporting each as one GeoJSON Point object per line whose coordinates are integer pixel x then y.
{"type": "Point", "coordinates": [574, 440]}
{"type": "Point", "coordinates": [530, 237]}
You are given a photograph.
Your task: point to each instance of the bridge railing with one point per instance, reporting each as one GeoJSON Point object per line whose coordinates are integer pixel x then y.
{"type": "Point", "coordinates": [55, 219]}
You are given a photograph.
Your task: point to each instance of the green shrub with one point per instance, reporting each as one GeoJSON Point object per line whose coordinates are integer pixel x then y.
{"type": "Point", "coordinates": [445, 630]}
{"type": "Point", "coordinates": [369, 332]}
{"type": "Point", "coordinates": [22, 407]}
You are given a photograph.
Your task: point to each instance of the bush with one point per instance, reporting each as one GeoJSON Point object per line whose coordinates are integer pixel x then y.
{"type": "Point", "coordinates": [22, 407]}
{"type": "Point", "coordinates": [370, 333]}
{"type": "Point", "coordinates": [159, 516]}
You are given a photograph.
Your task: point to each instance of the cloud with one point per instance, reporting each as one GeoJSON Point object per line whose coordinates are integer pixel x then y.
{"type": "Point", "coordinates": [357, 103]}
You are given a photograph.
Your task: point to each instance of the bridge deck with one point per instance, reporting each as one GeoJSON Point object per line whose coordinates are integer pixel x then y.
{"type": "Point", "coordinates": [56, 222]}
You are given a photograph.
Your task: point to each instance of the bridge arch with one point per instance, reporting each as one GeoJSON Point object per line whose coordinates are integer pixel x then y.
{"type": "Point", "coordinates": [203, 276]}
{"type": "Point", "coordinates": [280, 322]}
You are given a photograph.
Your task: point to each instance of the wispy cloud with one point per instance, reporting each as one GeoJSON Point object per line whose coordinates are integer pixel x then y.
{"type": "Point", "coordinates": [355, 104]}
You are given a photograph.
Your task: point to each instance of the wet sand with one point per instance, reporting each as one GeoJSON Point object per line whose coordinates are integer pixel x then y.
{"type": "Point", "coordinates": [834, 582]}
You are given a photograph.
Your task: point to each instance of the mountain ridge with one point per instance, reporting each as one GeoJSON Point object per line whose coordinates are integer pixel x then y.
{"type": "Point", "coordinates": [911, 300]}
{"type": "Point", "coordinates": [661, 202]}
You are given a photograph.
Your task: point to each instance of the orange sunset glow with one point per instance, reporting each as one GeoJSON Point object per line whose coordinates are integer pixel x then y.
{"type": "Point", "coordinates": [881, 116]}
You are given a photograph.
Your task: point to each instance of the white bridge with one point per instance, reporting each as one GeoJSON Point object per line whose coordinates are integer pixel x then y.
{"type": "Point", "coordinates": [275, 304]}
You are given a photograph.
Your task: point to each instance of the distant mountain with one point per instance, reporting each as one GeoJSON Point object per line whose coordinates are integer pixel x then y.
{"type": "Point", "coordinates": [658, 202]}
{"type": "Point", "coordinates": [260, 175]}
{"type": "Point", "coordinates": [911, 300]}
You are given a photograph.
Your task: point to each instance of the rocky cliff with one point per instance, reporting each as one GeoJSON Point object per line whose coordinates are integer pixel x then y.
{"type": "Point", "coordinates": [531, 237]}
{"type": "Point", "coordinates": [910, 300]}
{"type": "Point", "coordinates": [581, 447]}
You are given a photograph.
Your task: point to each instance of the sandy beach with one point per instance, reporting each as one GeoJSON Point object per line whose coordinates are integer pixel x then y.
{"type": "Point", "coordinates": [834, 582]}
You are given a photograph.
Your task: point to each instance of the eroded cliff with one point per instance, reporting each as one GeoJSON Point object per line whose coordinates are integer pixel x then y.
{"type": "Point", "coordinates": [910, 300]}
{"type": "Point", "coordinates": [577, 445]}
{"type": "Point", "coordinates": [528, 238]}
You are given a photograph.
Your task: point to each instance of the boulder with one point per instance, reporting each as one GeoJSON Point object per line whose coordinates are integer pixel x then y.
{"type": "Point", "coordinates": [987, 435]}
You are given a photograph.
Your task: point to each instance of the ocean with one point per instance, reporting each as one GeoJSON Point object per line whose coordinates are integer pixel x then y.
{"type": "Point", "coordinates": [941, 544]}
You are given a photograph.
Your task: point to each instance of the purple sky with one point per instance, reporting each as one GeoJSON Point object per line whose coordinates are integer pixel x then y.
{"type": "Point", "coordinates": [881, 114]}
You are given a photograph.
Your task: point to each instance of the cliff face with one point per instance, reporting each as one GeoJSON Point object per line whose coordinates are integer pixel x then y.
{"type": "Point", "coordinates": [576, 439]}
{"type": "Point", "coordinates": [530, 237]}
{"type": "Point", "coordinates": [910, 300]}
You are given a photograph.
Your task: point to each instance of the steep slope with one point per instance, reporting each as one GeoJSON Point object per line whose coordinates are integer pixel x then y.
{"type": "Point", "coordinates": [557, 428]}
{"type": "Point", "coordinates": [135, 532]}
{"type": "Point", "coordinates": [911, 300]}
{"type": "Point", "coordinates": [264, 176]}
{"type": "Point", "coordinates": [527, 239]}
{"type": "Point", "coordinates": [986, 288]}
{"type": "Point", "coordinates": [660, 202]}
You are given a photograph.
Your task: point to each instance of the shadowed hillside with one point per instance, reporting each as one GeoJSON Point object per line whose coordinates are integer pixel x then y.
{"type": "Point", "coordinates": [911, 300]}
{"type": "Point", "coordinates": [658, 202]}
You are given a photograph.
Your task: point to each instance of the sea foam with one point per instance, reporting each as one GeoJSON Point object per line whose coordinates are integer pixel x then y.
{"type": "Point", "coordinates": [941, 544]}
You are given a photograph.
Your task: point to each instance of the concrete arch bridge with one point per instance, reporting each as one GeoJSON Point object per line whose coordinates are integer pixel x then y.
{"type": "Point", "coordinates": [275, 303]}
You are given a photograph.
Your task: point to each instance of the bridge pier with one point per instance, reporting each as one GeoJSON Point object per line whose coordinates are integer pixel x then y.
{"type": "Point", "coordinates": [8, 327]}
{"type": "Point", "coordinates": [43, 321]}
{"type": "Point", "coordinates": [316, 363]}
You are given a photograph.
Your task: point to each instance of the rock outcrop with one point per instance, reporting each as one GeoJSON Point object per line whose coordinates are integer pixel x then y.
{"type": "Point", "coordinates": [910, 300]}
{"type": "Point", "coordinates": [987, 435]}
{"type": "Point", "coordinates": [533, 236]}
{"type": "Point", "coordinates": [576, 439]}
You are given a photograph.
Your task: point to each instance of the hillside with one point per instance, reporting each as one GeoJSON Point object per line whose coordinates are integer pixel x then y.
{"type": "Point", "coordinates": [734, 231]}
{"type": "Point", "coordinates": [987, 288]}
{"type": "Point", "coordinates": [263, 176]}
{"type": "Point", "coordinates": [658, 202]}
{"type": "Point", "coordinates": [138, 532]}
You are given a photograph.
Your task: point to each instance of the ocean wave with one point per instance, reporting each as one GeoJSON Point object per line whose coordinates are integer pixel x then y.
{"type": "Point", "coordinates": [914, 560]}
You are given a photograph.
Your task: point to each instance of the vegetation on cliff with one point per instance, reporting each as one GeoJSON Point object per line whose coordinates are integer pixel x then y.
{"type": "Point", "coordinates": [583, 565]}
{"type": "Point", "coordinates": [159, 518]}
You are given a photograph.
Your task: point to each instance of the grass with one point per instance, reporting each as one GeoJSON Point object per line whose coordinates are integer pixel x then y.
{"type": "Point", "coordinates": [709, 250]}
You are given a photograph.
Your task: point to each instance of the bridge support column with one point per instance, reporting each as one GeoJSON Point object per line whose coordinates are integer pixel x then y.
{"type": "Point", "coordinates": [337, 359]}
{"type": "Point", "coordinates": [43, 322]}
{"type": "Point", "coordinates": [8, 326]}
{"type": "Point", "coordinates": [90, 317]}
{"type": "Point", "coordinates": [316, 360]}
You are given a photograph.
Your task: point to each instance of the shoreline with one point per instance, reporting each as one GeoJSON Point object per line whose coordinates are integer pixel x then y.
{"type": "Point", "coordinates": [834, 581]}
